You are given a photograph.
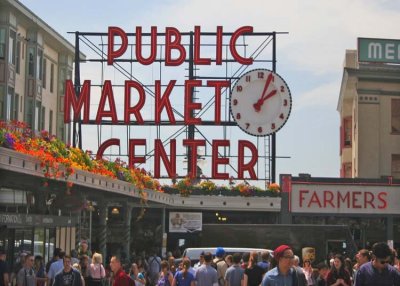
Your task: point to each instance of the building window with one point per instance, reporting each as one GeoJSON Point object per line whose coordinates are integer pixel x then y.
{"type": "Point", "coordinates": [44, 73]}
{"type": "Point", "coordinates": [37, 116]}
{"type": "Point", "coordinates": [43, 119]}
{"type": "Point", "coordinates": [39, 65]}
{"type": "Point", "coordinates": [2, 43]}
{"type": "Point", "coordinates": [396, 116]}
{"type": "Point", "coordinates": [29, 112]}
{"type": "Point", "coordinates": [31, 65]}
{"type": "Point", "coordinates": [51, 77]}
{"type": "Point", "coordinates": [51, 122]}
{"type": "Point", "coordinates": [15, 107]}
{"type": "Point", "coordinates": [347, 131]}
{"type": "Point", "coordinates": [2, 102]}
{"type": "Point", "coordinates": [10, 103]}
{"type": "Point", "coordinates": [18, 58]}
{"type": "Point", "coordinates": [11, 47]}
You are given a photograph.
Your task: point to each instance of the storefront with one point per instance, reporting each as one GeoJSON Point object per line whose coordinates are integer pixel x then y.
{"type": "Point", "coordinates": [36, 234]}
{"type": "Point", "coordinates": [369, 207]}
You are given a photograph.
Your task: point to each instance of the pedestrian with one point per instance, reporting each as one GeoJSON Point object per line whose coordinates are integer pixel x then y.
{"type": "Point", "coordinates": [26, 275]}
{"type": "Point", "coordinates": [68, 276]}
{"type": "Point", "coordinates": [229, 260]}
{"type": "Point", "coordinates": [136, 275]}
{"type": "Point", "coordinates": [56, 257]}
{"type": "Point", "coordinates": [220, 265]}
{"type": "Point", "coordinates": [323, 271]}
{"type": "Point", "coordinates": [206, 275]}
{"type": "Point", "coordinates": [308, 272]}
{"type": "Point", "coordinates": [4, 269]}
{"type": "Point", "coordinates": [85, 268]}
{"type": "Point", "coordinates": [184, 277]}
{"type": "Point", "coordinates": [264, 263]}
{"type": "Point", "coordinates": [253, 274]}
{"type": "Point", "coordinates": [378, 271]}
{"type": "Point", "coordinates": [338, 275]}
{"type": "Point", "coordinates": [40, 271]}
{"type": "Point", "coordinates": [165, 277]}
{"type": "Point", "coordinates": [56, 267]}
{"type": "Point", "coordinates": [284, 273]}
{"type": "Point", "coordinates": [154, 268]}
{"type": "Point", "coordinates": [200, 262]}
{"type": "Point", "coordinates": [363, 256]}
{"type": "Point", "coordinates": [171, 263]}
{"type": "Point", "coordinates": [120, 277]}
{"type": "Point", "coordinates": [84, 250]}
{"type": "Point", "coordinates": [96, 270]}
{"type": "Point", "coordinates": [234, 275]}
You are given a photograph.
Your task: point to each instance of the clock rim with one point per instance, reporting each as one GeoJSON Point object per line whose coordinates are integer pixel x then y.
{"type": "Point", "coordinates": [290, 105]}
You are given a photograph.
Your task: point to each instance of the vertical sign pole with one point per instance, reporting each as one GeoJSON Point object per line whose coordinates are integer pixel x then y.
{"type": "Point", "coordinates": [273, 136]}
{"type": "Point", "coordinates": [77, 133]}
{"type": "Point", "coordinates": [190, 127]}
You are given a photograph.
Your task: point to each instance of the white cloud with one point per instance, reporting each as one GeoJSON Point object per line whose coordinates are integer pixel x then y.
{"type": "Point", "coordinates": [324, 95]}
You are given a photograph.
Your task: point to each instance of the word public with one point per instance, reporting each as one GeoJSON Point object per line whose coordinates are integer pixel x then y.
{"type": "Point", "coordinates": [173, 38]}
{"type": "Point", "coordinates": [79, 104]}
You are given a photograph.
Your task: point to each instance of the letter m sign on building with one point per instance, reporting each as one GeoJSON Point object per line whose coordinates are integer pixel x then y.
{"type": "Point", "coordinates": [379, 50]}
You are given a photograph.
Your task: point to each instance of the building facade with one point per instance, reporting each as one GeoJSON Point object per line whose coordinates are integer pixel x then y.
{"type": "Point", "coordinates": [369, 107]}
{"type": "Point", "coordinates": [35, 61]}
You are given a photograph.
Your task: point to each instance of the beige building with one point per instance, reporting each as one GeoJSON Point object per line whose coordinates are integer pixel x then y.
{"type": "Point", "coordinates": [35, 61]}
{"type": "Point", "coordinates": [369, 107]}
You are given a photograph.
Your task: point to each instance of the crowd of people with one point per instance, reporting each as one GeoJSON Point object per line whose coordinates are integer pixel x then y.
{"type": "Point", "coordinates": [378, 267]}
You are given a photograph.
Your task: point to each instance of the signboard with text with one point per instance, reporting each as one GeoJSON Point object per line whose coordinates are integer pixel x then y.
{"type": "Point", "coordinates": [344, 199]}
{"type": "Point", "coordinates": [185, 222]}
{"type": "Point", "coordinates": [379, 50]}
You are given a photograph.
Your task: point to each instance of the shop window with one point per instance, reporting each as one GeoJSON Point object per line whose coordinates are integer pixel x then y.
{"type": "Point", "coordinates": [2, 43]}
{"type": "Point", "coordinates": [18, 58]}
{"type": "Point", "coordinates": [396, 166]}
{"type": "Point", "coordinates": [44, 80]}
{"type": "Point", "coordinates": [396, 116]}
{"type": "Point", "coordinates": [11, 47]}
{"type": "Point", "coordinates": [347, 136]}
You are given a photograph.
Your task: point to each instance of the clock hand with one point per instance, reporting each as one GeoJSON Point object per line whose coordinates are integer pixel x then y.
{"type": "Point", "coordinates": [259, 103]}
{"type": "Point", "coordinates": [269, 79]}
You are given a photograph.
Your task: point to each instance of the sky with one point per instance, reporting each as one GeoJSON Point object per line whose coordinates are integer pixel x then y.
{"type": "Point", "coordinates": [310, 57]}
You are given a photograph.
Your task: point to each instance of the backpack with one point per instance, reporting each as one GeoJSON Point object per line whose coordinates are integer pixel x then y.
{"type": "Point", "coordinates": [214, 264]}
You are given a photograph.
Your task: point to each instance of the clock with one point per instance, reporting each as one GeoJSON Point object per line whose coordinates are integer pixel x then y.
{"type": "Point", "coordinates": [260, 102]}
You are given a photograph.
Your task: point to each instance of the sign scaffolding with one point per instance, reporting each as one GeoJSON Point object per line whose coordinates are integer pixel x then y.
{"type": "Point", "coordinates": [163, 101]}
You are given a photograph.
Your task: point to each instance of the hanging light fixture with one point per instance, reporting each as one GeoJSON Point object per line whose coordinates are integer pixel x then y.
{"type": "Point", "coordinates": [115, 211]}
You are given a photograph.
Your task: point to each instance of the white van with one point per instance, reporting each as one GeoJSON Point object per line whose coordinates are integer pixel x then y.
{"type": "Point", "coordinates": [194, 253]}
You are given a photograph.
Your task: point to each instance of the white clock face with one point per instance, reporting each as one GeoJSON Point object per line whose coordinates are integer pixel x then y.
{"type": "Point", "coordinates": [260, 102]}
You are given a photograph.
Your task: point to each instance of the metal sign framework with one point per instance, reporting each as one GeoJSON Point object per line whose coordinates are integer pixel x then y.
{"type": "Point", "coordinates": [96, 43]}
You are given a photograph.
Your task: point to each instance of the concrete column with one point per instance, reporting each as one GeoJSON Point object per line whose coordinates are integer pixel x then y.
{"type": "Point", "coordinates": [102, 229]}
{"type": "Point", "coordinates": [127, 230]}
{"type": "Point", "coordinates": [286, 216]}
